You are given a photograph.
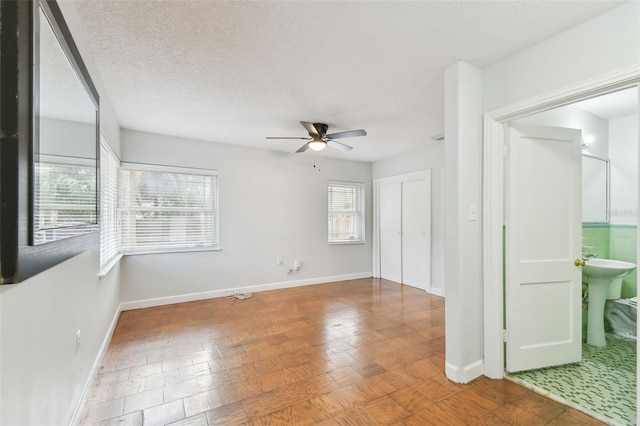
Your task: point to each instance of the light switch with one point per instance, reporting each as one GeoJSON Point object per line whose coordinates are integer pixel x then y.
{"type": "Point", "coordinates": [473, 215]}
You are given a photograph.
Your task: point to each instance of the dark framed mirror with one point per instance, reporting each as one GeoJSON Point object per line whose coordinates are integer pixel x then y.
{"type": "Point", "coordinates": [65, 143]}
{"type": "Point", "coordinates": [49, 113]}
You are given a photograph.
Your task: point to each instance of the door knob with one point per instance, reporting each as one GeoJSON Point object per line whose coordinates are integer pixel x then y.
{"type": "Point", "coordinates": [578, 262]}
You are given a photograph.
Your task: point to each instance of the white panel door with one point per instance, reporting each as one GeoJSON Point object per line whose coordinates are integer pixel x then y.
{"type": "Point", "coordinates": [416, 233]}
{"type": "Point", "coordinates": [390, 232]}
{"type": "Point", "coordinates": [543, 238]}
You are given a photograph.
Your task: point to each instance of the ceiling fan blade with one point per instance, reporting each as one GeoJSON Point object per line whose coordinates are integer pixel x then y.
{"type": "Point", "coordinates": [303, 148]}
{"type": "Point", "coordinates": [339, 145]}
{"type": "Point", "coordinates": [284, 137]}
{"type": "Point", "coordinates": [347, 134]}
{"type": "Point", "coordinates": [310, 128]}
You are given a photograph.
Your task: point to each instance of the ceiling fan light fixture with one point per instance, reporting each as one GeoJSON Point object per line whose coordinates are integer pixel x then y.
{"type": "Point", "coordinates": [317, 145]}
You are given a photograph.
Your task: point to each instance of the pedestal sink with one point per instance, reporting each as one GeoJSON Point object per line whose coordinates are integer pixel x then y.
{"type": "Point", "coordinates": [601, 273]}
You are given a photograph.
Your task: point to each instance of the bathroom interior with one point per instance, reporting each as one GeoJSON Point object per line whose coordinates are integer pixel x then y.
{"type": "Point", "coordinates": [603, 384]}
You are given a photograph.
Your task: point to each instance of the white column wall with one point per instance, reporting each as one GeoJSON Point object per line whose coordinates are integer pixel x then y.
{"type": "Point", "coordinates": [463, 237]}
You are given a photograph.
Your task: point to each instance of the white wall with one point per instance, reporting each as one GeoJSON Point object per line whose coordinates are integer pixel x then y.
{"type": "Point", "coordinates": [605, 44]}
{"type": "Point", "coordinates": [272, 204]}
{"type": "Point", "coordinates": [623, 153]}
{"type": "Point", "coordinates": [431, 157]}
{"type": "Point", "coordinates": [66, 138]}
{"type": "Point", "coordinates": [42, 376]}
{"type": "Point", "coordinates": [463, 244]}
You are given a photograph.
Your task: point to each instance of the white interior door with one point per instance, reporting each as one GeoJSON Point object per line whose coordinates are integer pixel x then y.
{"type": "Point", "coordinates": [543, 238]}
{"type": "Point", "coordinates": [390, 196]}
{"type": "Point", "coordinates": [416, 233]}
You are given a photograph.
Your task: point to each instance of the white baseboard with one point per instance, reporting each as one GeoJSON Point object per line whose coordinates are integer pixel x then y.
{"type": "Point", "coordinates": [95, 367]}
{"type": "Point", "coordinates": [465, 374]}
{"type": "Point", "coordinates": [169, 300]}
{"type": "Point", "coordinates": [437, 291]}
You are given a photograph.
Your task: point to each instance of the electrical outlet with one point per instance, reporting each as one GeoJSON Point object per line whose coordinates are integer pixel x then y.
{"type": "Point", "coordinates": [77, 341]}
{"type": "Point", "coordinates": [279, 261]}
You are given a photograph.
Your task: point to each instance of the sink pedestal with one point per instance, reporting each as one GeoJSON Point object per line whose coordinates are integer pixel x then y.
{"type": "Point", "coordinates": [598, 288]}
{"type": "Point", "coordinates": [602, 274]}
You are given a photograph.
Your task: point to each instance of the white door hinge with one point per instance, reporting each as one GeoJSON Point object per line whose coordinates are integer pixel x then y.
{"type": "Point", "coordinates": [505, 151]}
{"type": "Point", "coordinates": [505, 335]}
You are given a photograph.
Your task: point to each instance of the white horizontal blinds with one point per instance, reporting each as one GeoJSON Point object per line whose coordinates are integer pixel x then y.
{"type": "Point", "coordinates": [168, 208]}
{"type": "Point", "coordinates": [109, 227]}
{"type": "Point", "coordinates": [346, 212]}
{"type": "Point", "coordinates": [65, 197]}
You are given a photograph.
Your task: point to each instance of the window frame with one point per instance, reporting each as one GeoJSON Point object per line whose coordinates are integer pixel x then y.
{"type": "Point", "coordinates": [109, 208]}
{"type": "Point", "coordinates": [164, 247]}
{"type": "Point", "coordinates": [359, 213]}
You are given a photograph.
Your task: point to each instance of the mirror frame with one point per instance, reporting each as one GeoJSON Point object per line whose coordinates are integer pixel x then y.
{"type": "Point", "coordinates": [53, 15]}
{"type": "Point", "coordinates": [19, 259]}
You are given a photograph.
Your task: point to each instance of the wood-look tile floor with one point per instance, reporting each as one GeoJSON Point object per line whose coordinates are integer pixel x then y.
{"type": "Point", "coordinates": [362, 352]}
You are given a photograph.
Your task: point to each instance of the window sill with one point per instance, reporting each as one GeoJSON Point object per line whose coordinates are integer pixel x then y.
{"type": "Point", "coordinates": [341, 243]}
{"type": "Point", "coordinates": [171, 250]}
{"type": "Point", "coordinates": [105, 270]}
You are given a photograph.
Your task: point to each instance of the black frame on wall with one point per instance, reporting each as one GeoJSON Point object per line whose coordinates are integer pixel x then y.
{"type": "Point", "coordinates": [19, 258]}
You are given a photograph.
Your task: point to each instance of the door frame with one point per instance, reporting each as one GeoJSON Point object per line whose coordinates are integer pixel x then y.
{"type": "Point", "coordinates": [493, 196]}
{"type": "Point", "coordinates": [377, 183]}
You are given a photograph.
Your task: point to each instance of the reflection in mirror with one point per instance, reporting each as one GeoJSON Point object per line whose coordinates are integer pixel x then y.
{"type": "Point", "coordinates": [595, 189]}
{"type": "Point", "coordinates": [65, 145]}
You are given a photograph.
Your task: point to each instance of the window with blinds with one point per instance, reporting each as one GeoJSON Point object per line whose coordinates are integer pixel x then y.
{"type": "Point", "coordinates": [168, 208]}
{"type": "Point", "coordinates": [109, 223]}
{"type": "Point", "coordinates": [346, 212]}
{"type": "Point", "coordinates": [65, 197]}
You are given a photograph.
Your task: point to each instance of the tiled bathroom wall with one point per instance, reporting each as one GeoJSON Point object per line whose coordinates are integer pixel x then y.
{"type": "Point", "coordinates": [596, 239]}
{"type": "Point", "coordinates": [613, 241]}
{"type": "Point", "coordinates": [624, 246]}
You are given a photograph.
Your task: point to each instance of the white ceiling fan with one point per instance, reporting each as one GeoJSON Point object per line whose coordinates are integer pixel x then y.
{"type": "Point", "coordinates": [319, 139]}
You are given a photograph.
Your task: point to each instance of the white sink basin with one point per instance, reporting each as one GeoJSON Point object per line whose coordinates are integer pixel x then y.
{"type": "Point", "coordinates": [607, 268]}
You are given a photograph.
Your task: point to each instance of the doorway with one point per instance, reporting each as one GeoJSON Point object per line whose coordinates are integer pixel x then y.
{"type": "Point", "coordinates": [495, 180]}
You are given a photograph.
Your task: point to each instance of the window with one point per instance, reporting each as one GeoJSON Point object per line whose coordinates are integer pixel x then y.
{"type": "Point", "coordinates": [346, 212]}
{"type": "Point", "coordinates": [168, 209]}
{"type": "Point", "coordinates": [109, 226]}
{"type": "Point", "coordinates": [65, 197]}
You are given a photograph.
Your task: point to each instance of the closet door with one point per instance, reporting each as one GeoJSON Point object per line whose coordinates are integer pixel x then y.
{"type": "Point", "coordinates": [390, 232]}
{"type": "Point", "coordinates": [416, 230]}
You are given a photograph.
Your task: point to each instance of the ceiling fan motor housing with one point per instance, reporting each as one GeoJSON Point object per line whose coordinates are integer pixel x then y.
{"type": "Point", "coordinates": [321, 128]}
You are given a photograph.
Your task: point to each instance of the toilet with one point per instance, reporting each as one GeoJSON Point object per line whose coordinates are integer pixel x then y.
{"type": "Point", "coordinates": [621, 314]}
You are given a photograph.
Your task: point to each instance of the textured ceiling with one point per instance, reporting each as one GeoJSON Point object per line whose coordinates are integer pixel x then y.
{"type": "Point", "coordinates": [238, 71]}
